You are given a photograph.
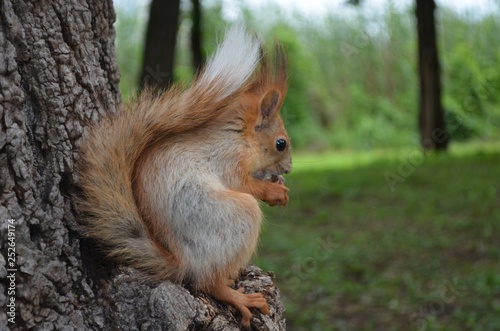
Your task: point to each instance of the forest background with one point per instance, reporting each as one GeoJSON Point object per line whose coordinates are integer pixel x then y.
{"type": "Point", "coordinates": [353, 78]}
{"type": "Point", "coordinates": [378, 235]}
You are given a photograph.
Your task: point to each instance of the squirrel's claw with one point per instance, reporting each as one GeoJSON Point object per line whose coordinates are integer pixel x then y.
{"type": "Point", "coordinates": [252, 300]}
{"type": "Point", "coordinates": [241, 301]}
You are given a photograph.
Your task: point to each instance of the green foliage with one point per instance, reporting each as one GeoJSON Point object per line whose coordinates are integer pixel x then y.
{"type": "Point", "coordinates": [353, 78]}
{"type": "Point", "coordinates": [304, 107]}
{"type": "Point", "coordinates": [354, 252]}
{"type": "Point", "coordinates": [473, 78]}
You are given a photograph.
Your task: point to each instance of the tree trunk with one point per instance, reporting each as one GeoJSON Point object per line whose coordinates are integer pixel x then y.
{"type": "Point", "coordinates": [57, 72]}
{"type": "Point", "coordinates": [158, 63]}
{"type": "Point", "coordinates": [196, 36]}
{"type": "Point", "coordinates": [431, 118]}
{"type": "Point", "coordinates": [57, 75]}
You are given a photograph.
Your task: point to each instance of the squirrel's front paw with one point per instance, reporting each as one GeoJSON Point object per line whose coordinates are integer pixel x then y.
{"type": "Point", "coordinates": [276, 195]}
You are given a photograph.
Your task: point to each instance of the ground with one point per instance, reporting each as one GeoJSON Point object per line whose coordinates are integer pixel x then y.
{"type": "Point", "coordinates": [389, 240]}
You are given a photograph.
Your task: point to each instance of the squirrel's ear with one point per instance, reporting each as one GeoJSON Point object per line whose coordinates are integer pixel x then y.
{"type": "Point", "coordinates": [268, 107]}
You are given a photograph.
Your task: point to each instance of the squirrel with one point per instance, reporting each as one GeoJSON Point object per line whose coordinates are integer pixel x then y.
{"type": "Point", "coordinates": [170, 185]}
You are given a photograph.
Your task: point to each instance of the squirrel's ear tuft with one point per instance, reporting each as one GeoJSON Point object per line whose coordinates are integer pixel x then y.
{"type": "Point", "coordinates": [271, 84]}
{"type": "Point", "coordinates": [269, 106]}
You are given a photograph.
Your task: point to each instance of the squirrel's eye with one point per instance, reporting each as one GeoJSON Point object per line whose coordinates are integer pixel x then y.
{"type": "Point", "coordinates": [281, 145]}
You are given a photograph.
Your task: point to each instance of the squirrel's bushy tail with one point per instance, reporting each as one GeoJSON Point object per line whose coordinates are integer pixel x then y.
{"type": "Point", "coordinates": [111, 149]}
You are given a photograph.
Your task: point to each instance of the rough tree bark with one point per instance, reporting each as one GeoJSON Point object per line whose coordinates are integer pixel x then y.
{"type": "Point", "coordinates": [57, 75]}
{"type": "Point", "coordinates": [431, 116]}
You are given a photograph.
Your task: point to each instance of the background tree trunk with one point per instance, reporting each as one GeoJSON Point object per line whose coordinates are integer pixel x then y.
{"type": "Point", "coordinates": [159, 49]}
{"type": "Point", "coordinates": [57, 75]}
{"type": "Point", "coordinates": [431, 118]}
{"type": "Point", "coordinates": [196, 36]}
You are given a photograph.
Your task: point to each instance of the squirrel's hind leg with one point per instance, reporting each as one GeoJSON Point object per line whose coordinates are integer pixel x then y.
{"type": "Point", "coordinates": [239, 300]}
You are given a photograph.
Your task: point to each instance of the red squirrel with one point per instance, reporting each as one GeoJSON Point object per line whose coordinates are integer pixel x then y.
{"type": "Point", "coordinates": [170, 185]}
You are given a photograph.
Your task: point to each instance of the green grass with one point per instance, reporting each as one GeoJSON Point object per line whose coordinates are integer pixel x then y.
{"type": "Point", "coordinates": [352, 252]}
